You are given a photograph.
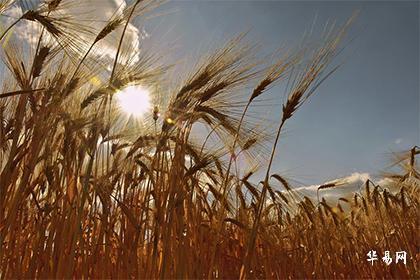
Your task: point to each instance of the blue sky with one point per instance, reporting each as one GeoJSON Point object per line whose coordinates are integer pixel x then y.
{"type": "Point", "coordinates": [366, 110]}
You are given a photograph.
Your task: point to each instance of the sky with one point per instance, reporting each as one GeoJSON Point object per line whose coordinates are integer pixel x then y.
{"type": "Point", "coordinates": [368, 109]}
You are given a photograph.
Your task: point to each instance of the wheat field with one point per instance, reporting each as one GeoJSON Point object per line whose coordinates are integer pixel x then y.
{"type": "Point", "coordinates": [85, 193]}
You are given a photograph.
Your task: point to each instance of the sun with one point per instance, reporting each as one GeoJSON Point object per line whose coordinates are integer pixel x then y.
{"type": "Point", "coordinates": [134, 100]}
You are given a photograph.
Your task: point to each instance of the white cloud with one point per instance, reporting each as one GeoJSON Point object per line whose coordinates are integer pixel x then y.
{"type": "Point", "coordinates": [394, 186]}
{"type": "Point", "coordinates": [347, 186]}
{"type": "Point", "coordinates": [344, 187]}
{"type": "Point", "coordinates": [94, 13]}
{"type": "Point", "coordinates": [398, 141]}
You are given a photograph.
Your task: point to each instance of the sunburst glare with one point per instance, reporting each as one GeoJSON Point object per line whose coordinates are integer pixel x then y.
{"type": "Point", "coordinates": [134, 100]}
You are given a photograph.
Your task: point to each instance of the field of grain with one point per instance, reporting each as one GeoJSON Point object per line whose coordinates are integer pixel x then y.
{"type": "Point", "coordinates": [87, 193]}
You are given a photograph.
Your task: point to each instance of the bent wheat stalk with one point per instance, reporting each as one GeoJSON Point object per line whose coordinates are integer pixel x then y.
{"type": "Point", "coordinates": [304, 88]}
